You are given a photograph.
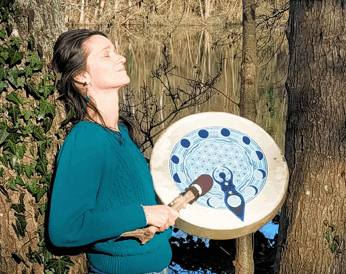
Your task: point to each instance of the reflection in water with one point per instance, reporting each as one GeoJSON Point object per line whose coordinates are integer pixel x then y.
{"type": "Point", "coordinates": [196, 54]}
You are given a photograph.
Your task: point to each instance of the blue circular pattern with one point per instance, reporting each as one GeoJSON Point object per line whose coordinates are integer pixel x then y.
{"type": "Point", "coordinates": [246, 140]}
{"type": "Point", "coordinates": [225, 132]}
{"type": "Point", "coordinates": [234, 160]}
{"type": "Point", "coordinates": [259, 155]}
{"type": "Point", "coordinates": [185, 143]}
{"type": "Point", "coordinates": [176, 178]}
{"type": "Point", "coordinates": [203, 133]}
{"type": "Point", "coordinates": [175, 159]}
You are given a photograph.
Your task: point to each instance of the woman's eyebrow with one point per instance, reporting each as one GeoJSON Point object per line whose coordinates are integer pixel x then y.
{"type": "Point", "coordinates": [107, 47]}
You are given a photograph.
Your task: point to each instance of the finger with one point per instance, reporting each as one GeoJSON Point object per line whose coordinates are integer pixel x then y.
{"type": "Point", "coordinates": [175, 213]}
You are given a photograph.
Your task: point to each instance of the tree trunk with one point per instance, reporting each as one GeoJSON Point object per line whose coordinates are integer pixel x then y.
{"type": "Point", "coordinates": [43, 20]}
{"type": "Point", "coordinates": [312, 224]}
{"type": "Point", "coordinates": [244, 263]}
{"type": "Point", "coordinates": [249, 62]}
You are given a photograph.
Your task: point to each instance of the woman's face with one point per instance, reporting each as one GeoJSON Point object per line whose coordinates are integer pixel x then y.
{"type": "Point", "coordinates": [104, 65]}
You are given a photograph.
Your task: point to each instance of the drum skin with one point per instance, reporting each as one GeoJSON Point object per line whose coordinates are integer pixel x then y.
{"type": "Point", "coordinates": [250, 174]}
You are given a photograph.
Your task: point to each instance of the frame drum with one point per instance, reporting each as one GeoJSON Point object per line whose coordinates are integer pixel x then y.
{"type": "Point", "coordinates": [250, 174]}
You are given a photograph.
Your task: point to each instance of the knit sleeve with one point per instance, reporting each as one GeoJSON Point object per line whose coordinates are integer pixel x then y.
{"type": "Point", "coordinates": [74, 219]}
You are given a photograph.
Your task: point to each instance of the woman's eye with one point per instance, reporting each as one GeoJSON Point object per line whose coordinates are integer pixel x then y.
{"type": "Point", "coordinates": [106, 54]}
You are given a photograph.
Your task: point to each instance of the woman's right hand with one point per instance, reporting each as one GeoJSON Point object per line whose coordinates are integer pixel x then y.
{"type": "Point", "coordinates": [161, 216]}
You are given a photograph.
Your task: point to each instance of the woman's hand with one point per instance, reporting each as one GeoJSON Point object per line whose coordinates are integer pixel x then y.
{"type": "Point", "coordinates": [161, 216]}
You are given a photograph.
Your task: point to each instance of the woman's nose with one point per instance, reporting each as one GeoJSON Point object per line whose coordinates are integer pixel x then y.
{"type": "Point", "coordinates": [121, 59]}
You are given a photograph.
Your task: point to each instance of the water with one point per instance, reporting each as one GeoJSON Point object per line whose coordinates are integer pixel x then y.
{"type": "Point", "coordinates": [195, 54]}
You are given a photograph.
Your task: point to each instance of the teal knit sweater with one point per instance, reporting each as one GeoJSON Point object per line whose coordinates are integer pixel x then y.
{"type": "Point", "coordinates": [101, 181]}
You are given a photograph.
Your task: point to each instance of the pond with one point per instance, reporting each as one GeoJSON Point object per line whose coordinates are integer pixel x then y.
{"type": "Point", "coordinates": [196, 54]}
{"type": "Point", "coordinates": [181, 60]}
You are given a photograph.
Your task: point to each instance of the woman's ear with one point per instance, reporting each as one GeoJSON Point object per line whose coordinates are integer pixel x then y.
{"type": "Point", "coordinates": [82, 78]}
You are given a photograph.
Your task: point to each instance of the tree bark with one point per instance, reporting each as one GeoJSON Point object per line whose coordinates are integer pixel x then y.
{"type": "Point", "coordinates": [42, 20]}
{"type": "Point", "coordinates": [249, 62]}
{"type": "Point", "coordinates": [244, 262]}
{"type": "Point", "coordinates": [312, 224]}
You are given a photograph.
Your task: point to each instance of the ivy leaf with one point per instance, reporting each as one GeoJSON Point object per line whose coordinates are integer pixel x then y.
{"type": "Point", "coordinates": [10, 145]}
{"type": "Point", "coordinates": [16, 42]}
{"type": "Point", "coordinates": [38, 134]}
{"type": "Point", "coordinates": [29, 170]}
{"type": "Point", "coordinates": [327, 236]}
{"type": "Point", "coordinates": [19, 168]}
{"type": "Point", "coordinates": [15, 57]}
{"type": "Point", "coordinates": [43, 208]}
{"type": "Point", "coordinates": [27, 114]}
{"type": "Point", "coordinates": [4, 160]}
{"type": "Point", "coordinates": [59, 265]}
{"type": "Point", "coordinates": [3, 85]}
{"type": "Point", "coordinates": [15, 98]}
{"type": "Point", "coordinates": [3, 135]}
{"type": "Point", "coordinates": [47, 124]}
{"type": "Point", "coordinates": [28, 72]}
{"type": "Point", "coordinates": [45, 89]}
{"type": "Point", "coordinates": [19, 180]}
{"type": "Point", "coordinates": [4, 53]}
{"type": "Point", "coordinates": [2, 33]}
{"type": "Point", "coordinates": [14, 137]}
{"type": "Point", "coordinates": [2, 72]}
{"type": "Point", "coordinates": [46, 179]}
{"type": "Point", "coordinates": [35, 62]}
{"type": "Point", "coordinates": [32, 151]}
{"type": "Point", "coordinates": [51, 76]}
{"type": "Point", "coordinates": [32, 186]}
{"type": "Point", "coordinates": [46, 108]}
{"type": "Point", "coordinates": [33, 89]}
{"type": "Point", "coordinates": [19, 208]}
{"type": "Point", "coordinates": [333, 248]}
{"type": "Point", "coordinates": [42, 145]}
{"type": "Point", "coordinates": [13, 77]}
{"type": "Point", "coordinates": [12, 184]}
{"type": "Point", "coordinates": [20, 151]}
{"type": "Point", "coordinates": [14, 112]}
{"type": "Point", "coordinates": [42, 166]}
{"type": "Point", "coordinates": [40, 192]}
{"type": "Point", "coordinates": [27, 129]}
{"type": "Point", "coordinates": [1, 172]}
{"type": "Point", "coordinates": [21, 82]}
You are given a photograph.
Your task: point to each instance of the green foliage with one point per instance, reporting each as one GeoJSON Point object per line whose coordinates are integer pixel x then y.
{"type": "Point", "coordinates": [21, 223]}
{"type": "Point", "coordinates": [332, 238]}
{"type": "Point", "coordinates": [26, 118]}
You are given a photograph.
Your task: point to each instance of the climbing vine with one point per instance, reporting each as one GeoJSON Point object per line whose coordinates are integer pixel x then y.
{"type": "Point", "coordinates": [27, 115]}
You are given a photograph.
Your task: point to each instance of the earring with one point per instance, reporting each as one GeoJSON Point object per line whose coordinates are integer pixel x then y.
{"type": "Point", "coordinates": [87, 96]}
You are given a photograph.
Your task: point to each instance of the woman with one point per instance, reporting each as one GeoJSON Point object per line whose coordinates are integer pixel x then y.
{"type": "Point", "coordinates": [102, 186]}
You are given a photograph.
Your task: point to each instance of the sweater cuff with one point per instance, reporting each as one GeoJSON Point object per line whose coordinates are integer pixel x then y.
{"type": "Point", "coordinates": [146, 216]}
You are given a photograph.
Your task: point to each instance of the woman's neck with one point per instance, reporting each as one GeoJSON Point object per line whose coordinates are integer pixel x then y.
{"type": "Point", "coordinates": [108, 106]}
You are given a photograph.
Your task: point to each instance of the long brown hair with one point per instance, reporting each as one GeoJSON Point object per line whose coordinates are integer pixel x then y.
{"type": "Point", "coordinates": [69, 59]}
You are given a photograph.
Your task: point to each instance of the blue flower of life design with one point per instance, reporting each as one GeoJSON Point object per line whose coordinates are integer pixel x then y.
{"type": "Point", "coordinates": [234, 160]}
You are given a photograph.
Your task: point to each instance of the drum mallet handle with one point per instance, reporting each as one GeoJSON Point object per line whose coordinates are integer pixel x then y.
{"type": "Point", "coordinates": [197, 189]}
